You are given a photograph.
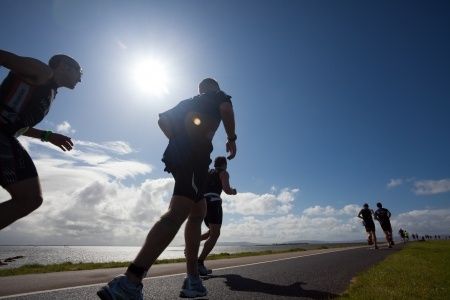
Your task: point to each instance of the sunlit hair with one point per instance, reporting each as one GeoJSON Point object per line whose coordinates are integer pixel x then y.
{"type": "Point", "coordinates": [208, 85]}
{"type": "Point", "coordinates": [220, 162]}
{"type": "Point", "coordinates": [57, 59]}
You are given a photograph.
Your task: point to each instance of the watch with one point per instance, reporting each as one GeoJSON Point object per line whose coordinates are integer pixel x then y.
{"type": "Point", "coordinates": [232, 138]}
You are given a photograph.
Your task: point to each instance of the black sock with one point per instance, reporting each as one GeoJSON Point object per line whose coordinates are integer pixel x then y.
{"type": "Point", "coordinates": [139, 272]}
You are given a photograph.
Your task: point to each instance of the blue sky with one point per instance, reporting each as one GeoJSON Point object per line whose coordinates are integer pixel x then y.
{"type": "Point", "coordinates": [337, 103]}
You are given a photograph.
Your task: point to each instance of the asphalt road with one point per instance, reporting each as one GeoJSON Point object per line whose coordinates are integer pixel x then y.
{"type": "Point", "coordinates": [313, 275]}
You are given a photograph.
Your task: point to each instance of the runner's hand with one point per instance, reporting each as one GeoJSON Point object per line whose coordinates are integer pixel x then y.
{"type": "Point", "coordinates": [231, 148]}
{"type": "Point", "coordinates": [62, 141]}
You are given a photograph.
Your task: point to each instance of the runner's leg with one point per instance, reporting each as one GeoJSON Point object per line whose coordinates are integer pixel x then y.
{"type": "Point", "coordinates": [214, 230]}
{"type": "Point", "coordinates": [161, 234]}
{"type": "Point", "coordinates": [192, 235]}
{"type": "Point", "coordinates": [26, 196]}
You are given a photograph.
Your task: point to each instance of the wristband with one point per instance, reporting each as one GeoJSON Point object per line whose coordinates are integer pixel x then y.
{"type": "Point", "coordinates": [232, 138]}
{"type": "Point", "coordinates": [45, 135]}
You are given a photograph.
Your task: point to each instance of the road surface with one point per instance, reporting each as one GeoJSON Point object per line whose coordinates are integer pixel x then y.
{"type": "Point", "coordinates": [316, 274]}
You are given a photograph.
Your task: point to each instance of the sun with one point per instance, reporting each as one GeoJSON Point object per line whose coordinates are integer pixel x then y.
{"type": "Point", "coordinates": [150, 77]}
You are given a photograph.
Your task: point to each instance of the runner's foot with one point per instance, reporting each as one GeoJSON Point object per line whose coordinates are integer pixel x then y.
{"type": "Point", "coordinates": [193, 288]}
{"type": "Point", "coordinates": [203, 271]}
{"type": "Point", "coordinates": [120, 288]}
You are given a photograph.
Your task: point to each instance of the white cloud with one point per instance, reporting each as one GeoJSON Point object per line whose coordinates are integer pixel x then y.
{"type": "Point", "coordinates": [265, 204]}
{"type": "Point", "coordinates": [431, 187]}
{"type": "Point", "coordinates": [394, 183]}
{"type": "Point", "coordinates": [64, 128]}
{"type": "Point", "coordinates": [87, 202]}
{"type": "Point", "coordinates": [427, 221]}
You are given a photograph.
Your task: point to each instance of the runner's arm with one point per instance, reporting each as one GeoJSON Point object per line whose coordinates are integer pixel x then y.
{"type": "Point", "coordinates": [32, 70]}
{"type": "Point", "coordinates": [225, 179]}
{"type": "Point", "coordinates": [63, 142]}
{"type": "Point", "coordinates": [227, 114]}
{"type": "Point", "coordinates": [375, 215]}
{"type": "Point", "coordinates": [360, 214]}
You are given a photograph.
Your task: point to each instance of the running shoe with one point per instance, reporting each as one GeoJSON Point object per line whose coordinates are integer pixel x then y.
{"type": "Point", "coordinates": [193, 288]}
{"type": "Point", "coordinates": [120, 288]}
{"type": "Point", "coordinates": [203, 271]}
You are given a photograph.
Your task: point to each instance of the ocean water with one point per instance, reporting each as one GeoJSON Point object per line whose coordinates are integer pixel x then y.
{"type": "Point", "coordinates": [58, 254]}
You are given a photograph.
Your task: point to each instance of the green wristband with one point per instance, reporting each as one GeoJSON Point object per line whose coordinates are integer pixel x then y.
{"type": "Point", "coordinates": [46, 135]}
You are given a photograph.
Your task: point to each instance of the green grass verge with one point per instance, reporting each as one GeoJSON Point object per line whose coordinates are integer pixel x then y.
{"type": "Point", "coordinates": [419, 271]}
{"type": "Point", "coordinates": [69, 266]}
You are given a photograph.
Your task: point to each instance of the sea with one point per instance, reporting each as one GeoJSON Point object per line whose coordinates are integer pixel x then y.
{"type": "Point", "coordinates": [45, 255]}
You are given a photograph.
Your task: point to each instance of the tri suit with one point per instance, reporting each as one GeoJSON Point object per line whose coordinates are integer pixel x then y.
{"type": "Point", "coordinates": [193, 123]}
{"type": "Point", "coordinates": [367, 219]}
{"type": "Point", "coordinates": [214, 213]}
{"type": "Point", "coordinates": [22, 106]}
{"type": "Point", "coordinates": [383, 215]}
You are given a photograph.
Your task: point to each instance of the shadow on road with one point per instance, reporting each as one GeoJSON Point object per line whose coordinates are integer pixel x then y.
{"type": "Point", "coordinates": [239, 283]}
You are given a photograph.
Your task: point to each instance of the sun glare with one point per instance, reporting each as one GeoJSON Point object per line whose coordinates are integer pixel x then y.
{"type": "Point", "coordinates": [150, 77]}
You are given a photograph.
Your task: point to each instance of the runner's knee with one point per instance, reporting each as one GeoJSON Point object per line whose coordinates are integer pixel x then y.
{"type": "Point", "coordinates": [29, 203]}
{"type": "Point", "coordinates": [195, 219]}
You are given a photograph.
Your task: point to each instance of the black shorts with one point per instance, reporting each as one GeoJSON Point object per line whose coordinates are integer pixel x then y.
{"type": "Point", "coordinates": [214, 213]}
{"type": "Point", "coordinates": [188, 166]}
{"type": "Point", "coordinates": [369, 225]}
{"type": "Point", "coordinates": [15, 163]}
{"type": "Point", "coordinates": [190, 181]}
{"type": "Point", "coordinates": [386, 226]}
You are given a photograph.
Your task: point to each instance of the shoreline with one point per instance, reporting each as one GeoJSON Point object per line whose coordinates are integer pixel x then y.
{"type": "Point", "coordinates": [79, 266]}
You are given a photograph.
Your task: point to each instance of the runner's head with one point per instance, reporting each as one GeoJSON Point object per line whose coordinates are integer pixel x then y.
{"type": "Point", "coordinates": [67, 72]}
{"type": "Point", "coordinates": [366, 205]}
{"type": "Point", "coordinates": [208, 85]}
{"type": "Point", "coordinates": [379, 205]}
{"type": "Point", "coordinates": [220, 163]}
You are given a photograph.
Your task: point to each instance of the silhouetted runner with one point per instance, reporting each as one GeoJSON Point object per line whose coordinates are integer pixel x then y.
{"type": "Point", "coordinates": [218, 180]}
{"type": "Point", "coordinates": [26, 95]}
{"type": "Point", "coordinates": [366, 215]}
{"type": "Point", "coordinates": [383, 216]}
{"type": "Point", "coordinates": [190, 127]}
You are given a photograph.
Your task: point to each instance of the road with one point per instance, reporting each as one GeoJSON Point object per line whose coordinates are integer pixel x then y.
{"type": "Point", "coordinates": [319, 274]}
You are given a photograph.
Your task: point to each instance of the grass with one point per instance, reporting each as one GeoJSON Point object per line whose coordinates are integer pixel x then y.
{"type": "Point", "coordinates": [420, 271]}
{"type": "Point", "coordinates": [69, 266]}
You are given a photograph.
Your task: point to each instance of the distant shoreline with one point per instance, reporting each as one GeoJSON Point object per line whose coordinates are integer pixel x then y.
{"type": "Point", "coordinates": [69, 266]}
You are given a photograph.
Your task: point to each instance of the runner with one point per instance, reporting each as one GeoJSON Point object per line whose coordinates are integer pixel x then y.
{"type": "Point", "coordinates": [26, 95]}
{"type": "Point", "coordinates": [366, 215]}
{"type": "Point", "coordinates": [402, 234]}
{"type": "Point", "coordinates": [190, 127]}
{"type": "Point", "coordinates": [383, 216]}
{"type": "Point", "coordinates": [218, 180]}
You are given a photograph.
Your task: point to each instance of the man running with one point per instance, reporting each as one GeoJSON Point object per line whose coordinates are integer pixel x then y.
{"type": "Point", "coordinates": [366, 215]}
{"type": "Point", "coordinates": [218, 180]}
{"type": "Point", "coordinates": [383, 216]}
{"type": "Point", "coordinates": [402, 234]}
{"type": "Point", "coordinates": [190, 127]}
{"type": "Point", "coordinates": [26, 95]}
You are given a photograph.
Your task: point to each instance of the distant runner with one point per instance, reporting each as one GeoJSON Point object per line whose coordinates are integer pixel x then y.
{"type": "Point", "coordinates": [383, 216]}
{"type": "Point", "coordinates": [26, 95]}
{"type": "Point", "coordinates": [366, 215]}
{"type": "Point", "coordinates": [402, 234]}
{"type": "Point", "coordinates": [218, 180]}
